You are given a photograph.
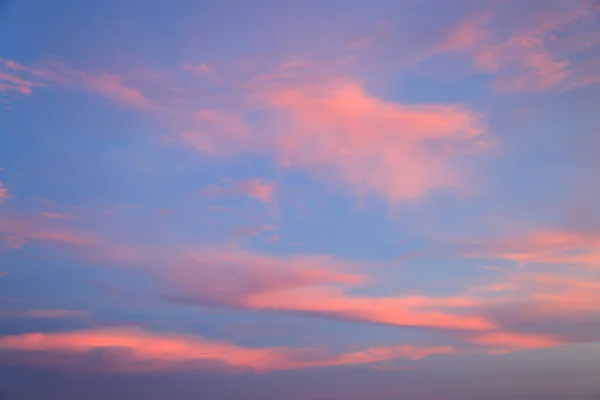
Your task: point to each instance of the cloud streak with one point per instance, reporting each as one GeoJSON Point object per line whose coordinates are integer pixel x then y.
{"type": "Point", "coordinates": [127, 350]}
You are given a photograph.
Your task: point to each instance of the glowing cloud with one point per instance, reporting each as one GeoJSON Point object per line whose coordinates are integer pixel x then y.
{"type": "Point", "coordinates": [334, 129]}
{"type": "Point", "coordinates": [133, 350]}
{"type": "Point", "coordinates": [309, 284]}
{"type": "Point", "coordinates": [534, 58]}
{"type": "Point", "coordinates": [546, 247]}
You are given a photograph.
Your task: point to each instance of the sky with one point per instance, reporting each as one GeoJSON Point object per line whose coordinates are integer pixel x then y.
{"type": "Point", "coordinates": [299, 200]}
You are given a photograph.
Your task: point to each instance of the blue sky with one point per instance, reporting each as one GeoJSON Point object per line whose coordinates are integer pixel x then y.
{"type": "Point", "coordinates": [340, 200]}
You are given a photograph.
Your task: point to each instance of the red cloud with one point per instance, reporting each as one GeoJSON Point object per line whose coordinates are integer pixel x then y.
{"type": "Point", "coordinates": [133, 350]}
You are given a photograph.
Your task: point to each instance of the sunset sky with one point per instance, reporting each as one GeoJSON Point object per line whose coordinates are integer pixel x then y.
{"type": "Point", "coordinates": [299, 200]}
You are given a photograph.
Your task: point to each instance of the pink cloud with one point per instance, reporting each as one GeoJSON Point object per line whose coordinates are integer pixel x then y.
{"type": "Point", "coordinates": [108, 85]}
{"type": "Point", "coordinates": [54, 215]}
{"type": "Point", "coordinates": [335, 129]}
{"type": "Point", "coordinates": [202, 70]}
{"type": "Point", "coordinates": [424, 312]}
{"type": "Point", "coordinates": [218, 132]}
{"type": "Point", "coordinates": [255, 188]}
{"type": "Point", "coordinates": [273, 239]}
{"type": "Point", "coordinates": [253, 231]}
{"type": "Point", "coordinates": [538, 310]}
{"type": "Point", "coordinates": [315, 121]}
{"type": "Point", "coordinates": [545, 247]}
{"type": "Point", "coordinates": [118, 207]}
{"type": "Point", "coordinates": [82, 245]}
{"type": "Point", "coordinates": [359, 43]}
{"type": "Point", "coordinates": [465, 35]}
{"type": "Point", "coordinates": [3, 193]}
{"type": "Point", "coordinates": [134, 350]}
{"type": "Point", "coordinates": [13, 242]}
{"type": "Point", "coordinates": [52, 314]}
{"type": "Point", "coordinates": [26, 231]}
{"type": "Point", "coordinates": [17, 83]}
{"type": "Point", "coordinates": [311, 284]}
{"type": "Point", "coordinates": [532, 58]}
{"type": "Point", "coordinates": [564, 294]}
{"type": "Point", "coordinates": [510, 341]}
{"type": "Point", "coordinates": [229, 275]}
{"type": "Point", "coordinates": [112, 87]}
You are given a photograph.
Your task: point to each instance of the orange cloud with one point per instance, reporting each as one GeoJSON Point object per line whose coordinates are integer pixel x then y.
{"type": "Point", "coordinates": [334, 129]}
{"type": "Point", "coordinates": [133, 350]}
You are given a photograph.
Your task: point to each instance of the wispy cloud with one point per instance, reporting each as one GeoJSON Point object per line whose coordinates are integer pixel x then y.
{"type": "Point", "coordinates": [24, 79]}
{"type": "Point", "coordinates": [544, 247]}
{"type": "Point", "coordinates": [541, 55]}
{"type": "Point", "coordinates": [256, 188]}
{"type": "Point", "coordinates": [135, 351]}
{"type": "Point", "coordinates": [310, 284]}
{"type": "Point", "coordinates": [47, 214]}
{"type": "Point", "coordinates": [3, 192]}
{"type": "Point", "coordinates": [50, 313]}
